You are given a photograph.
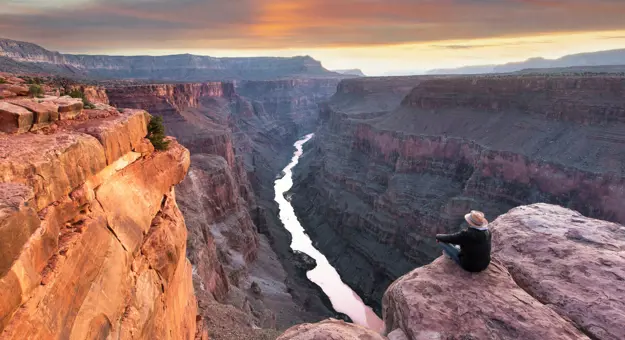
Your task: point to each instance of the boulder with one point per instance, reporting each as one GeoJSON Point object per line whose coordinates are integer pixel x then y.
{"type": "Point", "coordinates": [44, 112]}
{"type": "Point", "coordinates": [574, 264]}
{"type": "Point", "coordinates": [331, 330]}
{"type": "Point", "coordinates": [442, 301]}
{"type": "Point", "coordinates": [18, 90]}
{"type": "Point", "coordinates": [14, 119]}
{"type": "Point", "coordinates": [69, 107]}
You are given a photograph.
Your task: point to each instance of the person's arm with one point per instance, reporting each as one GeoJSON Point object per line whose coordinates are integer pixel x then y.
{"type": "Point", "coordinates": [457, 238]}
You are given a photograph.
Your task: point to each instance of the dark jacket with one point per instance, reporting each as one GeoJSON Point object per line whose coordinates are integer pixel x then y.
{"type": "Point", "coordinates": [474, 248]}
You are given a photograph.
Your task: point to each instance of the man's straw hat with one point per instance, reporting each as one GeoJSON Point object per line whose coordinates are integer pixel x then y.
{"type": "Point", "coordinates": [476, 218]}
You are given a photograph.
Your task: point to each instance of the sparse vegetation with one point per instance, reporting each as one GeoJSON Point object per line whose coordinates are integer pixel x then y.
{"type": "Point", "coordinates": [2, 81]}
{"type": "Point", "coordinates": [29, 80]}
{"type": "Point", "coordinates": [36, 91]}
{"type": "Point", "coordinates": [156, 133]}
{"type": "Point", "coordinates": [79, 94]}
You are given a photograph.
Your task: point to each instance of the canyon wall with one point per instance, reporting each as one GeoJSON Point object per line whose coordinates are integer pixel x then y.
{"type": "Point", "coordinates": [240, 136]}
{"type": "Point", "coordinates": [93, 241]}
{"type": "Point", "coordinates": [19, 56]}
{"type": "Point", "coordinates": [390, 166]}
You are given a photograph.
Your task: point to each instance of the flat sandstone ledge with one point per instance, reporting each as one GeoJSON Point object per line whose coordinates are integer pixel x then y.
{"type": "Point", "coordinates": [57, 163]}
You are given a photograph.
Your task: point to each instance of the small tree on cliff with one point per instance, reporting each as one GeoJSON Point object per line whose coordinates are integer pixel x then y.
{"type": "Point", "coordinates": [156, 133]}
{"type": "Point", "coordinates": [36, 91]}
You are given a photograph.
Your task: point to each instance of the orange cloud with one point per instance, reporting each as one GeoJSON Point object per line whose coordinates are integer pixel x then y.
{"type": "Point", "coordinates": [279, 24]}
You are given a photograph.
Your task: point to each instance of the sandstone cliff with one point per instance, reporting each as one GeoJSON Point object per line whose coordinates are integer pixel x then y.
{"type": "Point", "coordinates": [93, 241]}
{"type": "Point", "coordinates": [381, 179]}
{"type": "Point", "coordinates": [239, 135]}
{"type": "Point", "coordinates": [555, 274]}
{"type": "Point", "coordinates": [28, 57]}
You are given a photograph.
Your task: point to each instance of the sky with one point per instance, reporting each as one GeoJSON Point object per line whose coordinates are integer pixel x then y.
{"type": "Point", "coordinates": [378, 36]}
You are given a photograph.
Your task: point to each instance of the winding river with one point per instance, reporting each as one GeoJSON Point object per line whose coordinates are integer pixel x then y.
{"type": "Point", "coordinates": [343, 298]}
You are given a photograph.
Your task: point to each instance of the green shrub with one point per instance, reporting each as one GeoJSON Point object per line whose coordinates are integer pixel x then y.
{"type": "Point", "coordinates": [36, 91]}
{"type": "Point", "coordinates": [2, 81]}
{"type": "Point", "coordinates": [79, 94]}
{"type": "Point", "coordinates": [75, 93]}
{"type": "Point", "coordinates": [156, 133]}
{"type": "Point", "coordinates": [29, 80]}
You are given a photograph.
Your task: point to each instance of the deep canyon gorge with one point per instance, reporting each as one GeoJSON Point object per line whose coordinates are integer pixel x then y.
{"type": "Point", "coordinates": [111, 239]}
{"type": "Point", "coordinates": [396, 161]}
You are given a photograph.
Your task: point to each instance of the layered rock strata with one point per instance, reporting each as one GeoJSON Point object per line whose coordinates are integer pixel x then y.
{"type": "Point", "coordinates": [94, 243]}
{"type": "Point", "coordinates": [555, 274]}
{"type": "Point", "coordinates": [390, 167]}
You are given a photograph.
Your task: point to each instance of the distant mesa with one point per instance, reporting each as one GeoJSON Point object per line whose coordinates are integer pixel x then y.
{"type": "Point", "coordinates": [25, 57]}
{"type": "Point", "coordinates": [351, 72]}
{"type": "Point", "coordinates": [612, 61]}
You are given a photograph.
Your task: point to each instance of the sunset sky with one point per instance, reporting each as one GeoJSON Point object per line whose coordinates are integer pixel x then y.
{"type": "Point", "coordinates": [377, 36]}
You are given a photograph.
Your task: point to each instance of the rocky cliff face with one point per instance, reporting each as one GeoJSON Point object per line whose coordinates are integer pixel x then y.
{"type": "Point", "coordinates": [380, 180]}
{"type": "Point", "coordinates": [93, 241]}
{"type": "Point", "coordinates": [28, 57]}
{"type": "Point", "coordinates": [555, 274]}
{"type": "Point", "coordinates": [240, 135]}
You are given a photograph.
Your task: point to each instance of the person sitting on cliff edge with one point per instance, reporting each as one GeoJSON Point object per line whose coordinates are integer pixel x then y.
{"type": "Point", "coordinates": [473, 255]}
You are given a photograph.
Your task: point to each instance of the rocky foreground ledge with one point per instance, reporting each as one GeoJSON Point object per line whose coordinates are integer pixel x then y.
{"type": "Point", "coordinates": [555, 275]}
{"type": "Point", "coordinates": [93, 243]}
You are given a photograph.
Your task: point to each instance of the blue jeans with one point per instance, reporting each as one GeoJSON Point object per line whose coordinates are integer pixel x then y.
{"type": "Point", "coordinates": [451, 251]}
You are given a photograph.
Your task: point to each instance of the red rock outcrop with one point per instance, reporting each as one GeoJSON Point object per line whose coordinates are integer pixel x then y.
{"type": "Point", "coordinates": [88, 209]}
{"type": "Point", "coordinates": [95, 94]}
{"type": "Point", "coordinates": [573, 264]}
{"type": "Point", "coordinates": [44, 112]}
{"type": "Point", "coordinates": [385, 178]}
{"type": "Point", "coordinates": [442, 301]}
{"type": "Point", "coordinates": [20, 114]}
{"type": "Point", "coordinates": [555, 275]}
{"type": "Point", "coordinates": [15, 119]}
